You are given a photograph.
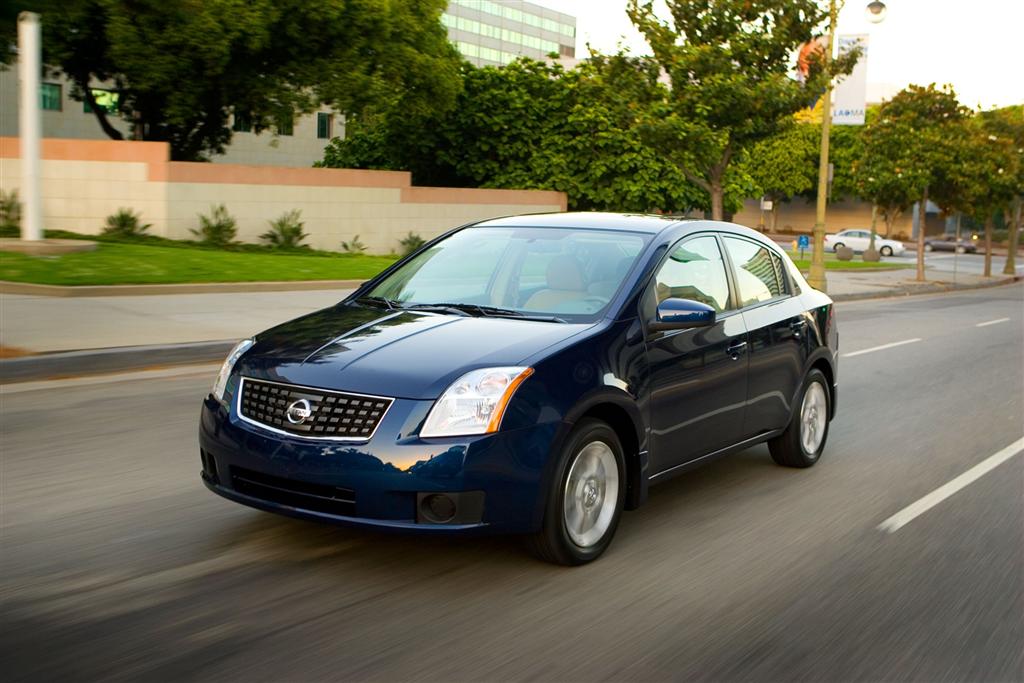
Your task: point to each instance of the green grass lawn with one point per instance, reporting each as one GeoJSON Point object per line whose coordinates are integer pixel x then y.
{"type": "Point", "coordinates": [832, 263]}
{"type": "Point", "coordinates": [134, 264]}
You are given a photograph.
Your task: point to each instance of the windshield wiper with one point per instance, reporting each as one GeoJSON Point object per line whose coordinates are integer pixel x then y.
{"type": "Point", "coordinates": [493, 311]}
{"type": "Point", "coordinates": [377, 301]}
{"type": "Point", "coordinates": [438, 308]}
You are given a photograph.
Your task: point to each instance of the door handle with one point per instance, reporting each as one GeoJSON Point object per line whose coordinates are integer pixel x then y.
{"type": "Point", "coordinates": [798, 326]}
{"type": "Point", "coordinates": [735, 349]}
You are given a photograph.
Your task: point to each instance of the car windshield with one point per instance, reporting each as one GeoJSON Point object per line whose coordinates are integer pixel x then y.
{"type": "Point", "coordinates": [562, 273]}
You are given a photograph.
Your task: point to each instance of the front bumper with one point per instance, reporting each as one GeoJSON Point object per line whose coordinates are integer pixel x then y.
{"type": "Point", "coordinates": [498, 477]}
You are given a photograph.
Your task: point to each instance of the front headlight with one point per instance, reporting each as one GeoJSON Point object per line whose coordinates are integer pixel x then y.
{"type": "Point", "coordinates": [474, 403]}
{"type": "Point", "coordinates": [229, 363]}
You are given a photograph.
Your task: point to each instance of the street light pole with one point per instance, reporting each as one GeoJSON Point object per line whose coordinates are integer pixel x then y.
{"type": "Point", "coordinates": [29, 69]}
{"type": "Point", "coordinates": [817, 274]}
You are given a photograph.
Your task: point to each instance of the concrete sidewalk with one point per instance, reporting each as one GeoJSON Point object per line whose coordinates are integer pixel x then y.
{"type": "Point", "coordinates": [43, 336]}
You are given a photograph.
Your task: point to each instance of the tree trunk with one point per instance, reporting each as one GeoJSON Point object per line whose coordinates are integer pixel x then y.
{"type": "Point", "coordinates": [922, 215]}
{"type": "Point", "coordinates": [1011, 254]}
{"type": "Point", "coordinates": [717, 201]}
{"type": "Point", "coordinates": [774, 217]}
{"type": "Point", "coordinates": [99, 112]}
{"type": "Point", "coordinates": [988, 245]}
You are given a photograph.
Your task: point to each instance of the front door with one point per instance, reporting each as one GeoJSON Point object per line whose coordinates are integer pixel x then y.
{"type": "Point", "coordinates": [698, 377]}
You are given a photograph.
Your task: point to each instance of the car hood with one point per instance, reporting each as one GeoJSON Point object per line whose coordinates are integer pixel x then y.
{"type": "Point", "coordinates": [403, 354]}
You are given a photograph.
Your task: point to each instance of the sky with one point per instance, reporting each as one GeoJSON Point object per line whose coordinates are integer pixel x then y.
{"type": "Point", "coordinates": [975, 45]}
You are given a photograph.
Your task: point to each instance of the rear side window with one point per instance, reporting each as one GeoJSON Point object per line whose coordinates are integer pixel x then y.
{"type": "Point", "coordinates": [758, 271]}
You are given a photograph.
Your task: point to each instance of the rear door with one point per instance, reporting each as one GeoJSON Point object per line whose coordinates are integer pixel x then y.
{"type": "Point", "coordinates": [698, 377]}
{"type": "Point", "coordinates": [776, 331]}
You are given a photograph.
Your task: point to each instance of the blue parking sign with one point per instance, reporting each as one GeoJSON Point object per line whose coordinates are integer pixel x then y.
{"type": "Point", "coordinates": [804, 241]}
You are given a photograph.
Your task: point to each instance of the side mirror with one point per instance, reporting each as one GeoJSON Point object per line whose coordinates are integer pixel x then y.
{"type": "Point", "coordinates": [678, 314]}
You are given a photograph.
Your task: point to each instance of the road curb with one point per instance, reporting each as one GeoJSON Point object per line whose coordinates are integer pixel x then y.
{"type": "Point", "coordinates": [28, 289]}
{"type": "Point", "coordinates": [117, 359]}
{"type": "Point", "coordinates": [126, 358]}
{"type": "Point", "coordinates": [919, 290]}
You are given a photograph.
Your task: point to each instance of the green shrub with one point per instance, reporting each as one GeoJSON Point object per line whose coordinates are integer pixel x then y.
{"type": "Point", "coordinates": [410, 243]}
{"type": "Point", "coordinates": [355, 246]}
{"type": "Point", "coordinates": [285, 232]}
{"type": "Point", "coordinates": [10, 213]}
{"type": "Point", "coordinates": [125, 223]}
{"type": "Point", "coordinates": [218, 229]}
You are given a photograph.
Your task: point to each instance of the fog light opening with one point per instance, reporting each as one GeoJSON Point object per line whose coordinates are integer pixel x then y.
{"type": "Point", "coordinates": [438, 508]}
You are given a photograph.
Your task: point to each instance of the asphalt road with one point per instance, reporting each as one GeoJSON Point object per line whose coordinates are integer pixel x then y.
{"type": "Point", "coordinates": [118, 564]}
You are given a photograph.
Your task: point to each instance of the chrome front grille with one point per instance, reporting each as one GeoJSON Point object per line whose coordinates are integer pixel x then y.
{"type": "Point", "coordinates": [315, 413]}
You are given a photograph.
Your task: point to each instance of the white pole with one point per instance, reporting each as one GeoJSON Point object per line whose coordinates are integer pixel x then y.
{"type": "Point", "coordinates": [30, 69]}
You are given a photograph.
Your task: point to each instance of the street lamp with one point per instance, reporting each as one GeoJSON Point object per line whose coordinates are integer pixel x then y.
{"type": "Point", "coordinates": [876, 12]}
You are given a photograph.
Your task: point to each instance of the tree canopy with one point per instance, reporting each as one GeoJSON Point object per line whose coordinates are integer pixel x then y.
{"type": "Point", "coordinates": [181, 67]}
{"type": "Point", "coordinates": [534, 125]}
{"type": "Point", "coordinates": [729, 64]}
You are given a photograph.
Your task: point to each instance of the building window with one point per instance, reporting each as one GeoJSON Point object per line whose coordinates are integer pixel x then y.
{"type": "Point", "coordinates": [324, 125]}
{"type": "Point", "coordinates": [50, 96]}
{"type": "Point", "coordinates": [243, 122]}
{"type": "Point", "coordinates": [285, 125]}
{"type": "Point", "coordinates": [105, 99]}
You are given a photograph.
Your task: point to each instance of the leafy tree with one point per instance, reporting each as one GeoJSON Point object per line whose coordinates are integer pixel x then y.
{"type": "Point", "coordinates": [1006, 125]}
{"type": "Point", "coordinates": [785, 165]}
{"type": "Point", "coordinates": [911, 149]}
{"type": "Point", "coordinates": [181, 67]}
{"type": "Point", "coordinates": [534, 125]}
{"type": "Point", "coordinates": [728, 62]}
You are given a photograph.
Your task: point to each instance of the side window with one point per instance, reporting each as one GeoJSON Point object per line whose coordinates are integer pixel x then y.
{"type": "Point", "coordinates": [757, 271]}
{"type": "Point", "coordinates": [695, 271]}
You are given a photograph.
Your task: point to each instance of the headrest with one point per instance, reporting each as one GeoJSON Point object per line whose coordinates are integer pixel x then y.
{"type": "Point", "coordinates": [564, 272]}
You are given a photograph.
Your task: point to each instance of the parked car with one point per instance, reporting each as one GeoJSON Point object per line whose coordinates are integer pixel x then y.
{"type": "Point", "coordinates": [531, 375]}
{"type": "Point", "coordinates": [950, 243]}
{"type": "Point", "coordinates": [859, 240]}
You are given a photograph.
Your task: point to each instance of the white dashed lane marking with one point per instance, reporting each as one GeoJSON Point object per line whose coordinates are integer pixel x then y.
{"type": "Point", "coordinates": [880, 348]}
{"type": "Point", "coordinates": [918, 508]}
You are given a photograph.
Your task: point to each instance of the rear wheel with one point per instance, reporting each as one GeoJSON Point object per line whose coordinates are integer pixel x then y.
{"type": "Point", "coordinates": [804, 439]}
{"type": "Point", "coordinates": [585, 499]}
{"type": "Point", "coordinates": [928, 247]}
{"type": "Point", "coordinates": [885, 251]}
{"type": "Point", "coordinates": [961, 250]}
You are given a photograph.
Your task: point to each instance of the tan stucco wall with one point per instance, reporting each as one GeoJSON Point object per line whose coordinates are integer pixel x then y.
{"type": "Point", "coordinates": [84, 181]}
{"type": "Point", "coordinates": [798, 216]}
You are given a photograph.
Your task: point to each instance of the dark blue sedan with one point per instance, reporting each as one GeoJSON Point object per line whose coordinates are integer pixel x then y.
{"type": "Point", "coordinates": [534, 375]}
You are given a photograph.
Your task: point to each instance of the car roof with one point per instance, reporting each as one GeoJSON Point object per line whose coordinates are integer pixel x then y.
{"type": "Point", "coordinates": [623, 222]}
{"type": "Point", "coordinates": [593, 220]}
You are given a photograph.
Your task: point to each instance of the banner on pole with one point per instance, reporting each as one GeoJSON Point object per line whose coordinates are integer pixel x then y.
{"type": "Point", "coordinates": [849, 99]}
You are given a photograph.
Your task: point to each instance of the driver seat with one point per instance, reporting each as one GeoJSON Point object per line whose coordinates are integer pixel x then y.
{"type": "Point", "coordinates": [565, 283]}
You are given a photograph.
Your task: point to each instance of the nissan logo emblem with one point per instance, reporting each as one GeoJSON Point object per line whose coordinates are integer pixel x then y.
{"type": "Point", "coordinates": [299, 411]}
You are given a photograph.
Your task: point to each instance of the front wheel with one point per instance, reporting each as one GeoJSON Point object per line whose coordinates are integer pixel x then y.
{"type": "Point", "coordinates": [885, 251]}
{"type": "Point", "coordinates": [804, 439]}
{"type": "Point", "coordinates": [839, 245]}
{"type": "Point", "coordinates": [584, 501]}
{"type": "Point", "coordinates": [961, 250]}
{"type": "Point", "coordinates": [928, 247]}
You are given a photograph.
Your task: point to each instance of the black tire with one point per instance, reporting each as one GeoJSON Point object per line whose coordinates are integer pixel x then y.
{"type": "Point", "coordinates": [837, 247]}
{"type": "Point", "coordinates": [788, 449]}
{"type": "Point", "coordinates": [553, 543]}
{"type": "Point", "coordinates": [928, 247]}
{"type": "Point", "coordinates": [885, 251]}
{"type": "Point", "coordinates": [961, 250]}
